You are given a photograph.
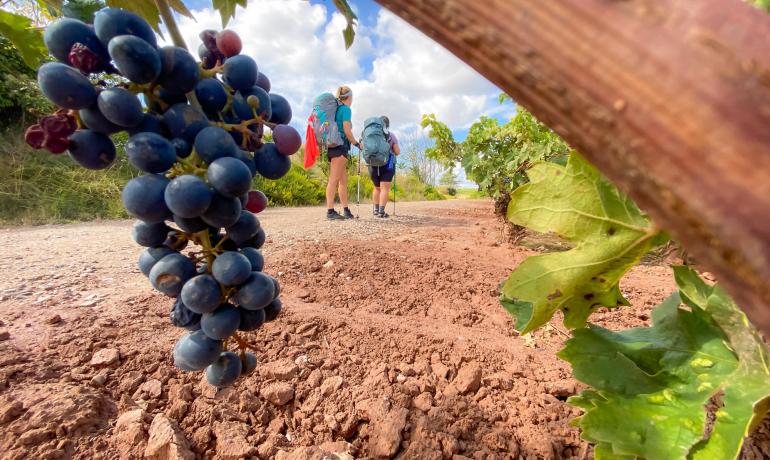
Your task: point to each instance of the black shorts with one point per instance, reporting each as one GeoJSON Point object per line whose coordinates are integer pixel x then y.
{"type": "Point", "coordinates": [339, 151]}
{"type": "Point", "coordinates": [381, 174]}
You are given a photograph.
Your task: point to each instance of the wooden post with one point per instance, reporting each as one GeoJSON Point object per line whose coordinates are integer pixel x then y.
{"type": "Point", "coordinates": [669, 98]}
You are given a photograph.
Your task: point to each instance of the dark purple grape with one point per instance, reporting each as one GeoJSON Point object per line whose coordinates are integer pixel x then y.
{"type": "Point", "coordinates": [179, 72]}
{"type": "Point", "coordinates": [229, 176]}
{"type": "Point", "coordinates": [151, 153]}
{"type": "Point", "coordinates": [281, 110]}
{"type": "Point", "coordinates": [256, 293]}
{"type": "Point", "coordinates": [273, 309]}
{"type": "Point", "coordinates": [143, 198]}
{"type": "Point", "coordinates": [65, 86]}
{"type": "Point", "coordinates": [188, 196]}
{"type": "Point", "coordinates": [255, 257]}
{"type": "Point", "coordinates": [263, 82]}
{"type": "Point", "coordinates": [149, 235]}
{"type": "Point", "coordinates": [225, 370]}
{"type": "Point", "coordinates": [170, 273]}
{"type": "Point", "coordinates": [245, 229]}
{"type": "Point", "coordinates": [181, 316]}
{"type": "Point", "coordinates": [270, 163]}
{"type": "Point", "coordinates": [201, 294]}
{"type": "Point", "coordinates": [287, 139]}
{"type": "Point", "coordinates": [92, 150]}
{"type": "Point", "coordinates": [195, 351]}
{"type": "Point", "coordinates": [136, 59]}
{"type": "Point", "coordinates": [231, 268]}
{"type": "Point", "coordinates": [222, 322]}
{"type": "Point", "coordinates": [111, 22]}
{"type": "Point", "coordinates": [240, 72]}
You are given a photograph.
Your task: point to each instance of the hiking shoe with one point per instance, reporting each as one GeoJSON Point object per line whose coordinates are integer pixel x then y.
{"type": "Point", "coordinates": [383, 215]}
{"type": "Point", "coordinates": [347, 214]}
{"type": "Point", "coordinates": [333, 215]}
{"type": "Point", "coordinates": [375, 211]}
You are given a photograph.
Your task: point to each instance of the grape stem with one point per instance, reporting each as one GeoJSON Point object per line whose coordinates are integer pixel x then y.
{"type": "Point", "coordinates": [168, 20]}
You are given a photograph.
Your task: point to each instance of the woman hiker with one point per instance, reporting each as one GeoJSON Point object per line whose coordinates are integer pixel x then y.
{"type": "Point", "coordinates": [382, 176]}
{"type": "Point", "coordinates": [339, 156]}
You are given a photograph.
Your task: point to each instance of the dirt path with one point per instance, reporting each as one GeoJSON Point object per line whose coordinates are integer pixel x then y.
{"type": "Point", "coordinates": [392, 343]}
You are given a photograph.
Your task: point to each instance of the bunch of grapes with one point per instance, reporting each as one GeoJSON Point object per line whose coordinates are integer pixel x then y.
{"type": "Point", "coordinates": [196, 132]}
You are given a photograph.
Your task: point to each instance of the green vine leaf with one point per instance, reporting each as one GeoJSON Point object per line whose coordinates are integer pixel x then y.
{"type": "Point", "coordinates": [149, 10]}
{"type": "Point", "coordinates": [226, 9]}
{"type": "Point", "coordinates": [27, 39]}
{"type": "Point", "coordinates": [609, 232]}
{"type": "Point", "coordinates": [651, 385]}
{"type": "Point", "coordinates": [349, 33]}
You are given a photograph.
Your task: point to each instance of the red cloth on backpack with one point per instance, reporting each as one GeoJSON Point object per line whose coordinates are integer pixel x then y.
{"type": "Point", "coordinates": [311, 145]}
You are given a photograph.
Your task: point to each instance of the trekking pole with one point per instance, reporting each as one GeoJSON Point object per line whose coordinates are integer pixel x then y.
{"type": "Point", "coordinates": [358, 187]}
{"type": "Point", "coordinates": [395, 189]}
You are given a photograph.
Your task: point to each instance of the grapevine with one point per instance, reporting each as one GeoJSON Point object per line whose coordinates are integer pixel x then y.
{"type": "Point", "coordinates": [196, 136]}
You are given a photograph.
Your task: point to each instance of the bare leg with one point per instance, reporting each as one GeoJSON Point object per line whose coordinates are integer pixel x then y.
{"type": "Point", "coordinates": [384, 190]}
{"type": "Point", "coordinates": [343, 185]}
{"type": "Point", "coordinates": [337, 166]}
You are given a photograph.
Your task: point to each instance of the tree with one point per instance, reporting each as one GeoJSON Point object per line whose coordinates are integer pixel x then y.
{"type": "Point", "coordinates": [496, 156]}
{"type": "Point", "coordinates": [449, 178]}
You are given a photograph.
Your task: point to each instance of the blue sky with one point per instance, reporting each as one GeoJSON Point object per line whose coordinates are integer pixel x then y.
{"type": "Point", "coordinates": [393, 68]}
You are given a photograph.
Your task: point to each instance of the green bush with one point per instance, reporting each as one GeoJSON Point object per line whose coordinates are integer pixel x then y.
{"type": "Point", "coordinates": [431, 194]}
{"type": "Point", "coordinates": [296, 188]}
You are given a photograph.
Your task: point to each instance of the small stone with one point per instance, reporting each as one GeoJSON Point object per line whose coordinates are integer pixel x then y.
{"type": "Point", "coordinates": [329, 264]}
{"type": "Point", "coordinates": [99, 379]}
{"type": "Point", "coordinates": [423, 402]}
{"type": "Point", "coordinates": [10, 410]}
{"type": "Point", "coordinates": [278, 393]}
{"type": "Point", "coordinates": [152, 388]}
{"type": "Point", "coordinates": [231, 441]}
{"type": "Point", "coordinates": [4, 335]}
{"type": "Point", "coordinates": [468, 380]}
{"type": "Point", "coordinates": [54, 319]}
{"type": "Point", "coordinates": [280, 370]}
{"type": "Point", "coordinates": [105, 357]}
{"type": "Point", "coordinates": [331, 385]}
{"type": "Point", "coordinates": [167, 441]}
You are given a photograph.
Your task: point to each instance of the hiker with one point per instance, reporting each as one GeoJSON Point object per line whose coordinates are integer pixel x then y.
{"type": "Point", "coordinates": [382, 176]}
{"type": "Point", "coordinates": [339, 155]}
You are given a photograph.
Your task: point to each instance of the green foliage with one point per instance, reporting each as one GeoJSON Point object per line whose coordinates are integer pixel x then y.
{"type": "Point", "coordinates": [651, 385]}
{"type": "Point", "coordinates": [763, 4]}
{"type": "Point", "coordinates": [37, 187]}
{"type": "Point", "coordinates": [496, 156]}
{"type": "Point", "coordinates": [19, 92]}
{"type": "Point", "coordinates": [297, 187]}
{"type": "Point", "coordinates": [610, 236]}
{"type": "Point", "coordinates": [226, 9]}
{"type": "Point", "coordinates": [148, 9]}
{"type": "Point", "coordinates": [82, 9]}
{"type": "Point", "coordinates": [349, 33]}
{"type": "Point", "coordinates": [27, 40]}
{"type": "Point", "coordinates": [448, 179]}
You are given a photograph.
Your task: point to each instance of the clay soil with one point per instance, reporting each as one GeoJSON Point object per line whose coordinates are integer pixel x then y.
{"type": "Point", "coordinates": [391, 344]}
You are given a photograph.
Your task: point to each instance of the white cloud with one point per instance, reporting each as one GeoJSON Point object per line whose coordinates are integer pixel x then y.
{"type": "Point", "coordinates": [303, 55]}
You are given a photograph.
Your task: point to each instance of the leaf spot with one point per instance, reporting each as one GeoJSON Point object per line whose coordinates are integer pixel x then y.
{"type": "Point", "coordinates": [555, 295]}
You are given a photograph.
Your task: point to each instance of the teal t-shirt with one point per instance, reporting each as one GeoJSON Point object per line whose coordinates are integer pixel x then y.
{"type": "Point", "coordinates": [343, 114]}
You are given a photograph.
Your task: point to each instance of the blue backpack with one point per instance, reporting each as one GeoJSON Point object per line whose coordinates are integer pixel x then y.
{"type": "Point", "coordinates": [376, 147]}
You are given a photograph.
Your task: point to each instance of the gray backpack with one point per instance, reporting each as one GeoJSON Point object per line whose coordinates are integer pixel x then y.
{"type": "Point", "coordinates": [376, 147]}
{"type": "Point", "coordinates": [324, 121]}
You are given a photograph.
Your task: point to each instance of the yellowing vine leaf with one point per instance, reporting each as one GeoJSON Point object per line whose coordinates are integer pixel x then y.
{"type": "Point", "coordinates": [609, 232]}
{"type": "Point", "coordinates": [24, 36]}
{"type": "Point", "coordinates": [651, 385]}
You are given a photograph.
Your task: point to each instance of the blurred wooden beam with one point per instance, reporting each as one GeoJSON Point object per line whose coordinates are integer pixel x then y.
{"type": "Point", "coordinates": [669, 98]}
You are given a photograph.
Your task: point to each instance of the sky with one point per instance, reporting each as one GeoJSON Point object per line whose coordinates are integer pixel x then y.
{"type": "Point", "coordinates": [393, 69]}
